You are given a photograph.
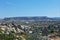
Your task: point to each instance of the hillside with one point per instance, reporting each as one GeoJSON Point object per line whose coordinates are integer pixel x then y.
{"type": "Point", "coordinates": [43, 18]}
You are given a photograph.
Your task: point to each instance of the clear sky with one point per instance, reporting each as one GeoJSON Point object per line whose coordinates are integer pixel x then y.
{"type": "Point", "coordinates": [15, 8]}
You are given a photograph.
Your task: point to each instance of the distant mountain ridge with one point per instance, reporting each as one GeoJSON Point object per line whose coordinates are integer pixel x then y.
{"type": "Point", "coordinates": [43, 18]}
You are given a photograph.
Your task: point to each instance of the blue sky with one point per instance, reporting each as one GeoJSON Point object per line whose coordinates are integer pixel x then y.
{"type": "Point", "coordinates": [15, 8]}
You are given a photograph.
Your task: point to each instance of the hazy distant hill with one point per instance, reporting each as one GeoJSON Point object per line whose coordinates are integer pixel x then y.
{"type": "Point", "coordinates": [43, 18]}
